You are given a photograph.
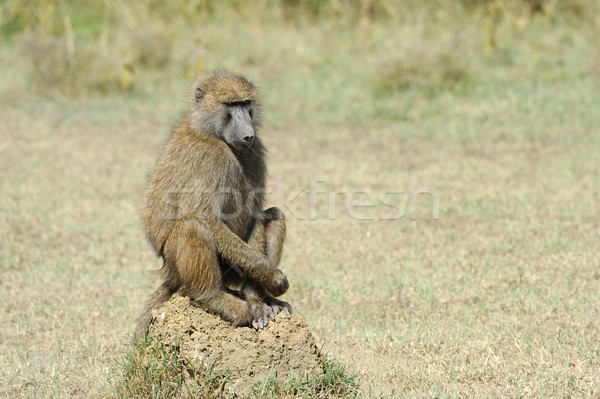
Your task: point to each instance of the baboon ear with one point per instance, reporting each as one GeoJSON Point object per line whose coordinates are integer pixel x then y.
{"type": "Point", "coordinates": [199, 93]}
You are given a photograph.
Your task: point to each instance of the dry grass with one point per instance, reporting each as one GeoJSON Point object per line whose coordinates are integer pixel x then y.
{"type": "Point", "coordinates": [498, 297]}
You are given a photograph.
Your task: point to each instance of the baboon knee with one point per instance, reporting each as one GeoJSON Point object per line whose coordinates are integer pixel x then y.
{"type": "Point", "coordinates": [274, 213]}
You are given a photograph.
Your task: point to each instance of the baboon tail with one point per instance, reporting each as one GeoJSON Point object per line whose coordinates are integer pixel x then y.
{"type": "Point", "coordinates": [160, 296]}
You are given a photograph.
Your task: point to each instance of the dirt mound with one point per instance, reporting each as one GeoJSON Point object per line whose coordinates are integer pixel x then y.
{"type": "Point", "coordinates": [285, 347]}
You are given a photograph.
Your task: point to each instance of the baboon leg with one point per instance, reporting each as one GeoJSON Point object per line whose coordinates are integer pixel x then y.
{"type": "Point", "coordinates": [274, 234]}
{"type": "Point", "coordinates": [257, 239]}
{"type": "Point", "coordinates": [191, 248]}
{"type": "Point", "coordinates": [268, 234]}
{"type": "Point", "coordinates": [267, 237]}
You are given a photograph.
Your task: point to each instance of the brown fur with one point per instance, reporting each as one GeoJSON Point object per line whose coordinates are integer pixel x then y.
{"type": "Point", "coordinates": [208, 242]}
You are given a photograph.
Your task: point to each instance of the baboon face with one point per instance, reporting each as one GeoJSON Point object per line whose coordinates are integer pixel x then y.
{"type": "Point", "coordinates": [227, 106]}
{"type": "Point", "coordinates": [238, 127]}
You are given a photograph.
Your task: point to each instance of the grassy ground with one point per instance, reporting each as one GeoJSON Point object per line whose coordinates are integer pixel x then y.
{"type": "Point", "coordinates": [495, 295]}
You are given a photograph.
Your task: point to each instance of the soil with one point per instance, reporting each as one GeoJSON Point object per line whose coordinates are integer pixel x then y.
{"type": "Point", "coordinates": [282, 349]}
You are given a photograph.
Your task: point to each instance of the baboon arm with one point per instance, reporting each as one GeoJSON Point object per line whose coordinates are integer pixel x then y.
{"type": "Point", "coordinates": [235, 250]}
{"type": "Point", "coordinates": [254, 264]}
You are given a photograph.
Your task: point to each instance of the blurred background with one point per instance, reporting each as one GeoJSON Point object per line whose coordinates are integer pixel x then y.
{"type": "Point", "coordinates": [487, 287]}
{"type": "Point", "coordinates": [319, 54]}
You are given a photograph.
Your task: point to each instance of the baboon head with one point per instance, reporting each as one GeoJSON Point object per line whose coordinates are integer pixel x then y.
{"type": "Point", "coordinates": [227, 106]}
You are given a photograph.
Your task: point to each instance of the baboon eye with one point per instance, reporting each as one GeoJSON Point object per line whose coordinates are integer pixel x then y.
{"type": "Point", "coordinates": [238, 103]}
{"type": "Point", "coordinates": [251, 112]}
{"type": "Point", "coordinates": [227, 117]}
{"type": "Point", "coordinates": [199, 93]}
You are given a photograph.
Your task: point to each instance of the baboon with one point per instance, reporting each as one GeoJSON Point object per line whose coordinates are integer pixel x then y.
{"type": "Point", "coordinates": [203, 210]}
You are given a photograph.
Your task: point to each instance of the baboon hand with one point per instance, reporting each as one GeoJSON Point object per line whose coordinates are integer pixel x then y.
{"type": "Point", "coordinates": [280, 283]}
{"type": "Point", "coordinates": [280, 307]}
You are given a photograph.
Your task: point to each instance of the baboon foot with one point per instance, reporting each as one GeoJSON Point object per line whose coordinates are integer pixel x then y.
{"type": "Point", "coordinates": [229, 306]}
{"type": "Point", "coordinates": [279, 306]}
{"type": "Point", "coordinates": [261, 313]}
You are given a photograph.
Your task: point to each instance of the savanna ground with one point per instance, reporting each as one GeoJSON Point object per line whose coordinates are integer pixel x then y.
{"type": "Point", "coordinates": [488, 286]}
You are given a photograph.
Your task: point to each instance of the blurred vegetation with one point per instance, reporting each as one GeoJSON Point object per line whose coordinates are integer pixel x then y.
{"type": "Point", "coordinates": [84, 47]}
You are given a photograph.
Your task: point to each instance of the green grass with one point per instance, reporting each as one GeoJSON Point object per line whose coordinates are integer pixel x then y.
{"type": "Point", "coordinates": [149, 371]}
{"type": "Point", "coordinates": [334, 383]}
{"type": "Point", "coordinates": [497, 297]}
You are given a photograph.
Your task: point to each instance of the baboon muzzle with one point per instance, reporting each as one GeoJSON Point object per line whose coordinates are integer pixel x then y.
{"type": "Point", "coordinates": [242, 126]}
